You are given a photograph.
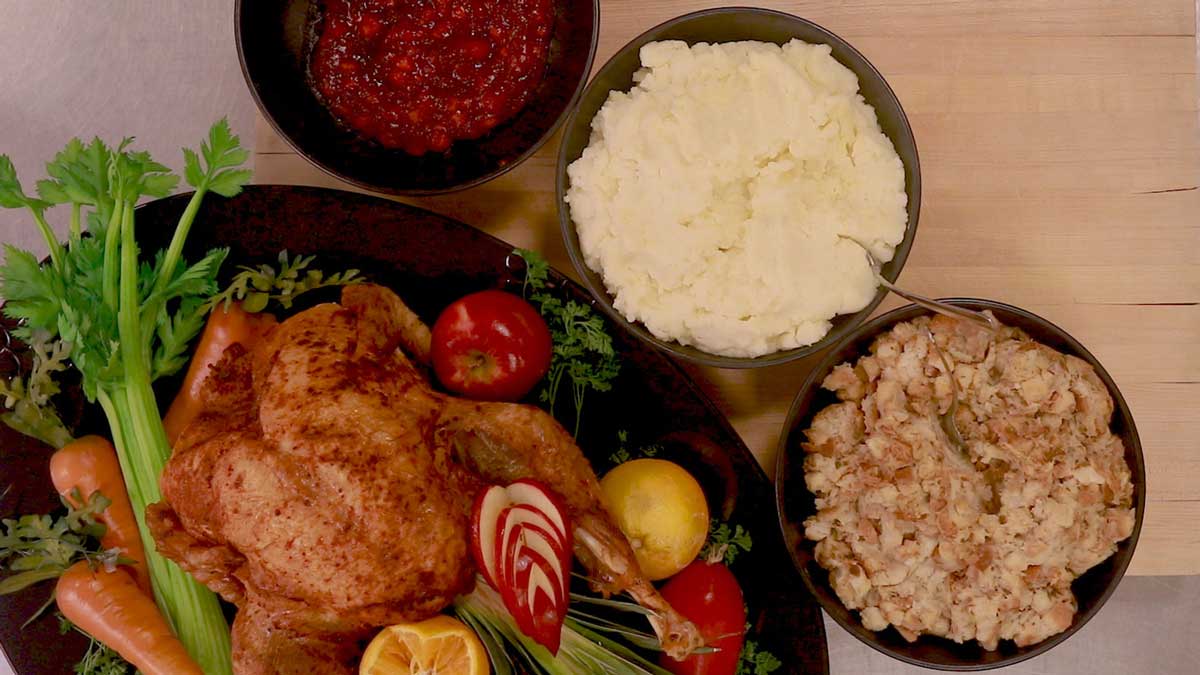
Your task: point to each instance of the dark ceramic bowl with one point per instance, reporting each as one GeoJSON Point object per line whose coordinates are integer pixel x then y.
{"type": "Point", "coordinates": [728, 25]}
{"type": "Point", "coordinates": [273, 40]}
{"type": "Point", "coordinates": [796, 503]}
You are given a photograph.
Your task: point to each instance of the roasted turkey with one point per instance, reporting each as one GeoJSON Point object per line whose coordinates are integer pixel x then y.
{"type": "Point", "coordinates": [326, 488]}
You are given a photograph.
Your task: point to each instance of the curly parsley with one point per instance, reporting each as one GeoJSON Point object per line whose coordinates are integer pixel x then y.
{"type": "Point", "coordinates": [583, 349]}
{"type": "Point", "coordinates": [754, 661]}
{"type": "Point", "coordinates": [725, 542]}
{"type": "Point", "coordinates": [98, 659]}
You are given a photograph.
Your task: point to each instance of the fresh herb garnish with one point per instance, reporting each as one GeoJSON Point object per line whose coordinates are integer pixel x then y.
{"type": "Point", "coordinates": [98, 659]}
{"type": "Point", "coordinates": [725, 542]}
{"type": "Point", "coordinates": [128, 318]}
{"type": "Point", "coordinates": [624, 454]}
{"type": "Point", "coordinates": [754, 661]}
{"type": "Point", "coordinates": [583, 349]}
{"type": "Point", "coordinates": [35, 548]}
{"type": "Point", "coordinates": [591, 643]}
{"type": "Point", "coordinates": [255, 287]}
{"type": "Point", "coordinates": [26, 398]}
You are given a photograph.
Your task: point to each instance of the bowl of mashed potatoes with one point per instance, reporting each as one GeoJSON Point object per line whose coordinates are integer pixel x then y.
{"type": "Point", "coordinates": [716, 176]}
{"type": "Point", "coordinates": [971, 558]}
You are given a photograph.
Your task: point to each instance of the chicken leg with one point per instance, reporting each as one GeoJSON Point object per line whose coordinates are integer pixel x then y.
{"type": "Point", "coordinates": [504, 442]}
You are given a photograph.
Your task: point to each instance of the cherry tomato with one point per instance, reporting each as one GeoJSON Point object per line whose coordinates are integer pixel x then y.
{"type": "Point", "coordinates": [709, 595]}
{"type": "Point", "coordinates": [490, 345]}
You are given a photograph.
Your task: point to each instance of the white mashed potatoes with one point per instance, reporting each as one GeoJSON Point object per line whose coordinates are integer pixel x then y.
{"type": "Point", "coordinates": [711, 197]}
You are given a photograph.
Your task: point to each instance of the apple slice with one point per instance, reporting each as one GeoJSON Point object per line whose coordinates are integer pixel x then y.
{"type": "Point", "coordinates": [530, 537]}
{"type": "Point", "coordinates": [526, 491]}
{"type": "Point", "coordinates": [489, 506]}
{"type": "Point", "coordinates": [521, 541]}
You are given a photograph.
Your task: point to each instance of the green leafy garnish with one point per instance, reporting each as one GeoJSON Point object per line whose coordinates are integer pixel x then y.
{"type": "Point", "coordinates": [583, 349]}
{"type": "Point", "coordinates": [624, 454]}
{"type": "Point", "coordinates": [129, 319]}
{"type": "Point", "coordinates": [35, 548]}
{"type": "Point", "coordinates": [754, 661]}
{"type": "Point", "coordinates": [725, 542]}
{"type": "Point", "coordinates": [255, 287]}
{"type": "Point", "coordinates": [586, 646]}
{"type": "Point", "coordinates": [98, 659]}
{"type": "Point", "coordinates": [26, 398]}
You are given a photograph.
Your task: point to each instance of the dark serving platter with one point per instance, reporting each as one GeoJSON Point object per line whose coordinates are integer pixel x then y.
{"type": "Point", "coordinates": [430, 260]}
{"type": "Point", "coordinates": [796, 503]}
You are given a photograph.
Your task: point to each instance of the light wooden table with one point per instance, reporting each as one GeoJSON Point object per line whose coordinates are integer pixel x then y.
{"type": "Point", "coordinates": [1060, 152]}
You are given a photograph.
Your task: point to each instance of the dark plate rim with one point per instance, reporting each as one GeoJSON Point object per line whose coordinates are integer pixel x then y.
{"type": "Point", "coordinates": [692, 354]}
{"type": "Point", "coordinates": [417, 192]}
{"type": "Point", "coordinates": [874, 327]}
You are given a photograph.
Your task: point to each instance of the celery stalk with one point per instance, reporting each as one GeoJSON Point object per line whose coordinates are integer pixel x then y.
{"type": "Point", "coordinates": [128, 322]}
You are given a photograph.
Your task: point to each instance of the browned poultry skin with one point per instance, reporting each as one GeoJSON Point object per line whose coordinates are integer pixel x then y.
{"type": "Point", "coordinates": [326, 489]}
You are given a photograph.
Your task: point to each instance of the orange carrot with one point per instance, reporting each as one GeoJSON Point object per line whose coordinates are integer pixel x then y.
{"type": "Point", "coordinates": [90, 465]}
{"type": "Point", "coordinates": [225, 327]}
{"type": "Point", "coordinates": [110, 607]}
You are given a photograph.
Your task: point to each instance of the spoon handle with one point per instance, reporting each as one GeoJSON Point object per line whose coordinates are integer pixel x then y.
{"type": "Point", "coordinates": [978, 318]}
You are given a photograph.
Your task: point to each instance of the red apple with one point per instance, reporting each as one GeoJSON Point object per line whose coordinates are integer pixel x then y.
{"type": "Point", "coordinates": [491, 345]}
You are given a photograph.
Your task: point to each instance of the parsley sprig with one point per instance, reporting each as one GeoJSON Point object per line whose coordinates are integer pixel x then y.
{"type": "Point", "coordinates": [98, 659]}
{"type": "Point", "coordinates": [255, 287]}
{"type": "Point", "coordinates": [726, 542]}
{"type": "Point", "coordinates": [754, 661]}
{"type": "Point", "coordinates": [583, 353]}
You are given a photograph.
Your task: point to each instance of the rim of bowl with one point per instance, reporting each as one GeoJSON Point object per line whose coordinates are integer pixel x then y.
{"type": "Point", "coordinates": [693, 354]}
{"type": "Point", "coordinates": [567, 111]}
{"type": "Point", "coordinates": [882, 323]}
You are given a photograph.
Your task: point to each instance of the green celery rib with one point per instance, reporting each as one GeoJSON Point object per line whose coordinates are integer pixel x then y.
{"type": "Point", "coordinates": [175, 249]}
{"type": "Point", "coordinates": [191, 609]}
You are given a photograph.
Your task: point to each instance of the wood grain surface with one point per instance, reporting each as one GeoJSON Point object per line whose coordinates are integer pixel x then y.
{"type": "Point", "coordinates": [1060, 152]}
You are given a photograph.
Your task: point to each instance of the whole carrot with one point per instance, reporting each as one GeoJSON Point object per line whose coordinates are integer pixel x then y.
{"type": "Point", "coordinates": [111, 607]}
{"type": "Point", "coordinates": [226, 326]}
{"type": "Point", "coordinates": [90, 465]}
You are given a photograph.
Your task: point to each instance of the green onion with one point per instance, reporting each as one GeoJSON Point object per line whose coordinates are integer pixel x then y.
{"type": "Point", "coordinates": [584, 650]}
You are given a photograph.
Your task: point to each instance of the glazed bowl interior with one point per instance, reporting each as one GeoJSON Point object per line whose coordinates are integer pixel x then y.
{"type": "Point", "coordinates": [729, 25]}
{"type": "Point", "coordinates": [796, 503]}
{"type": "Point", "coordinates": [274, 38]}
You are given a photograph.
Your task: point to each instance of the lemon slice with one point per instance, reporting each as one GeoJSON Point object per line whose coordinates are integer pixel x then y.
{"type": "Point", "coordinates": [442, 645]}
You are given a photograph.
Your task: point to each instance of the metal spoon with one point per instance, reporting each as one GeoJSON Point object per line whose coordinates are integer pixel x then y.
{"type": "Point", "coordinates": [985, 321]}
{"type": "Point", "coordinates": [980, 319]}
{"type": "Point", "coordinates": [947, 419]}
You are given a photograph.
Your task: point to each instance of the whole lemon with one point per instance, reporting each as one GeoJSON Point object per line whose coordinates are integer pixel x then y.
{"type": "Point", "coordinates": [662, 511]}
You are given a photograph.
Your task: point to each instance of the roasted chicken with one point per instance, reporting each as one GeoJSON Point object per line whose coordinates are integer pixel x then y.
{"type": "Point", "coordinates": [326, 489]}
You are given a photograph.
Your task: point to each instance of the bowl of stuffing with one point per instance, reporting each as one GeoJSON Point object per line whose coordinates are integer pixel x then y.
{"type": "Point", "coordinates": [712, 178]}
{"type": "Point", "coordinates": [960, 498]}
{"type": "Point", "coordinates": [416, 97]}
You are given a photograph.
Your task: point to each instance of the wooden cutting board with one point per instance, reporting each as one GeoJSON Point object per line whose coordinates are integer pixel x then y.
{"type": "Point", "coordinates": [1060, 152]}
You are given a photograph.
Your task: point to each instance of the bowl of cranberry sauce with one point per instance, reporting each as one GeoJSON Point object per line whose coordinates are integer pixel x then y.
{"type": "Point", "coordinates": [416, 96]}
